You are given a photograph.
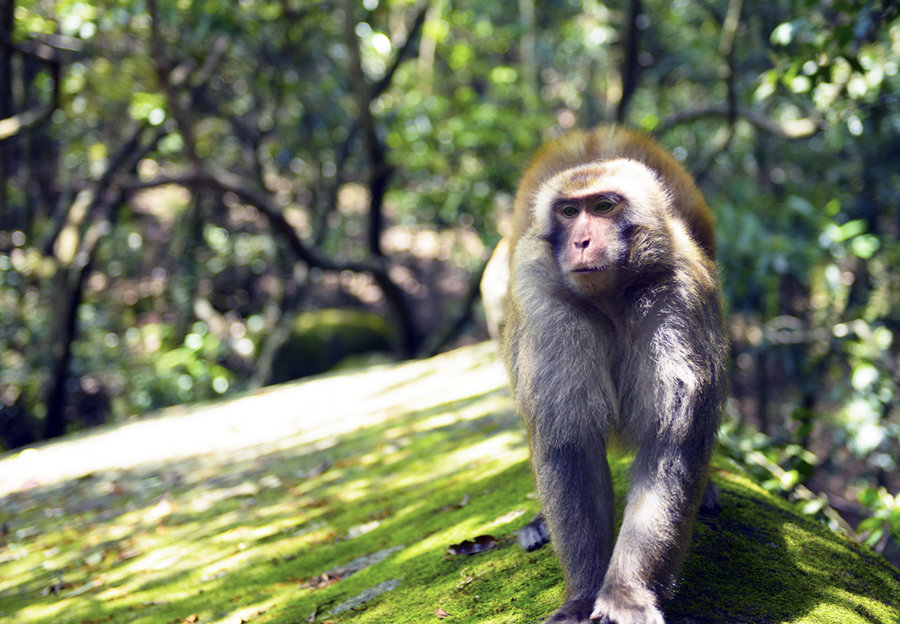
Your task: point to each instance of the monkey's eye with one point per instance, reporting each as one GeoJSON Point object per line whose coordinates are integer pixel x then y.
{"type": "Point", "coordinates": [568, 210]}
{"type": "Point", "coordinates": [604, 205]}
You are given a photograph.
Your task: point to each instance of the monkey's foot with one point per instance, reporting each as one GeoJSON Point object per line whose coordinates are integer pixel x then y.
{"type": "Point", "coordinates": [572, 612]}
{"type": "Point", "coordinates": [625, 605]}
{"type": "Point", "coordinates": [534, 534]}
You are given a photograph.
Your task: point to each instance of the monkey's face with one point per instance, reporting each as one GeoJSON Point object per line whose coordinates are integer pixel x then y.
{"type": "Point", "coordinates": [595, 217]}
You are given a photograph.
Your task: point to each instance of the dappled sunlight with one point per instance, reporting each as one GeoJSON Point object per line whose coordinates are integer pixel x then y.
{"type": "Point", "coordinates": [163, 558]}
{"type": "Point", "coordinates": [246, 614]}
{"type": "Point", "coordinates": [356, 496]}
{"type": "Point", "coordinates": [502, 521]}
{"type": "Point", "coordinates": [243, 535]}
{"type": "Point", "coordinates": [492, 404]}
{"type": "Point", "coordinates": [468, 523]}
{"type": "Point", "coordinates": [354, 490]}
{"type": "Point", "coordinates": [196, 497]}
{"type": "Point", "coordinates": [482, 455]}
{"type": "Point", "coordinates": [44, 612]}
{"type": "Point", "coordinates": [274, 418]}
{"type": "Point", "coordinates": [197, 199]}
{"type": "Point", "coordinates": [508, 445]}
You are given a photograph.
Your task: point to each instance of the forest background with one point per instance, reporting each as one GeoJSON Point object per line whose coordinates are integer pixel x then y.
{"type": "Point", "coordinates": [200, 198]}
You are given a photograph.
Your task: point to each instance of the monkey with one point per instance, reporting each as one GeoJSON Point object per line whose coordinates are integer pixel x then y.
{"type": "Point", "coordinates": [612, 330]}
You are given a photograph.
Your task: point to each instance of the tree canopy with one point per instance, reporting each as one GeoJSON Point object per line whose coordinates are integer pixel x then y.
{"type": "Point", "coordinates": [179, 180]}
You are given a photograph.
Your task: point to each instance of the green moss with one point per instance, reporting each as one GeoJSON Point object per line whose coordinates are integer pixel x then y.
{"type": "Point", "coordinates": [321, 340]}
{"type": "Point", "coordinates": [438, 457]}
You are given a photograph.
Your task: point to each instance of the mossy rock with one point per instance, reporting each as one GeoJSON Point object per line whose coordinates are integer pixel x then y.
{"type": "Point", "coordinates": [321, 340]}
{"type": "Point", "coordinates": [336, 499]}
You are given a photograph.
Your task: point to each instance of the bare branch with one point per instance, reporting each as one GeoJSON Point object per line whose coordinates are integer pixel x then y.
{"type": "Point", "coordinates": [168, 81]}
{"type": "Point", "coordinates": [379, 170]}
{"type": "Point", "coordinates": [722, 139]}
{"type": "Point", "coordinates": [795, 129]}
{"type": "Point", "coordinates": [47, 48]}
{"type": "Point", "coordinates": [461, 318]}
{"type": "Point", "coordinates": [376, 266]}
{"type": "Point", "coordinates": [408, 50]}
{"type": "Point", "coordinates": [726, 49]}
{"type": "Point", "coordinates": [65, 240]}
{"type": "Point", "coordinates": [227, 182]}
{"type": "Point", "coordinates": [12, 126]}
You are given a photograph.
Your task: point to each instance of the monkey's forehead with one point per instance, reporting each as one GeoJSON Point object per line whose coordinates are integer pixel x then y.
{"type": "Point", "coordinates": [622, 175]}
{"type": "Point", "coordinates": [639, 185]}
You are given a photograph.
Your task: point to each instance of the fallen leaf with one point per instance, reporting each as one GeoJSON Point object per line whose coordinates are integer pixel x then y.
{"type": "Point", "coordinates": [335, 574]}
{"type": "Point", "coordinates": [56, 587]}
{"type": "Point", "coordinates": [312, 616]}
{"type": "Point", "coordinates": [471, 547]}
{"type": "Point", "coordinates": [441, 613]}
{"type": "Point", "coordinates": [322, 580]}
{"type": "Point", "coordinates": [454, 506]}
{"type": "Point", "coordinates": [191, 619]}
{"type": "Point", "coordinates": [358, 602]}
{"type": "Point", "coordinates": [128, 553]}
{"type": "Point", "coordinates": [318, 470]}
{"type": "Point", "coordinates": [97, 581]}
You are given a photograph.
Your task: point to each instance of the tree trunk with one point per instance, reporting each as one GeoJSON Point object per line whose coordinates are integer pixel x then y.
{"type": "Point", "coordinates": [6, 110]}
{"type": "Point", "coordinates": [69, 296]}
{"type": "Point", "coordinates": [629, 60]}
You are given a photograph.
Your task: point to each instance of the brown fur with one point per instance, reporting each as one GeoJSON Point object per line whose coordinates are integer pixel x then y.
{"type": "Point", "coordinates": [613, 327]}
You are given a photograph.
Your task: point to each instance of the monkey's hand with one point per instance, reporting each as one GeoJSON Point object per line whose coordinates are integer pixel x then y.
{"type": "Point", "coordinates": [626, 605]}
{"type": "Point", "coordinates": [534, 534]}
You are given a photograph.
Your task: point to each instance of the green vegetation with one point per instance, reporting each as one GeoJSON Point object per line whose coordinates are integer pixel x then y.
{"type": "Point", "coordinates": [180, 181]}
{"type": "Point", "coordinates": [349, 520]}
{"type": "Point", "coordinates": [320, 340]}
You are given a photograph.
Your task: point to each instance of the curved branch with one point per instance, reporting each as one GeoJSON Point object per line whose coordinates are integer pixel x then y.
{"type": "Point", "coordinates": [227, 182]}
{"type": "Point", "coordinates": [376, 266]}
{"type": "Point", "coordinates": [379, 170]}
{"type": "Point", "coordinates": [12, 126]}
{"type": "Point", "coordinates": [462, 316]}
{"type": "Point", "coordinates": [170, 79]}
{"type": "Point", "coordinates": [726, 49]}
{"type": "Point", "coordinates": [408, 50]}
{"type": "Point", "coordinates": [796, 129]}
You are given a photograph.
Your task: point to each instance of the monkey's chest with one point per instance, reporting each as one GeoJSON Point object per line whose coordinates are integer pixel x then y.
{"type": "Point", "coordinates": [568, 386]}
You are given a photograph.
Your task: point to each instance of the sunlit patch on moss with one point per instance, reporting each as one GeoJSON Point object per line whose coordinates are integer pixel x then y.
{"type": "Point", "coordinates": [419, 456]}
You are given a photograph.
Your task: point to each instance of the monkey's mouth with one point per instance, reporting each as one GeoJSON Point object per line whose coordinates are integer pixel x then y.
{"type": "Point", "coordinates": [589, 269]}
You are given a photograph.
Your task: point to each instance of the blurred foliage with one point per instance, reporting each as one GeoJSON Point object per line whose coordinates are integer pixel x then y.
{"type": "Point", "coordinates": [320, 340]}
{"type": "Point", "coordinates": [165, 166]}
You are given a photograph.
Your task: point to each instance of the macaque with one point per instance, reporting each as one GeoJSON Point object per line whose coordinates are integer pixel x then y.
{"type": "Point", "coordinates": [612, 329]}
